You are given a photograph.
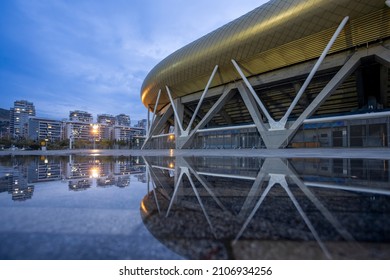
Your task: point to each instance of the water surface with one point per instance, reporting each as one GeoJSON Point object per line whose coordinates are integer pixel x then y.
{"type": "Point", "coordinates": [194, 207]}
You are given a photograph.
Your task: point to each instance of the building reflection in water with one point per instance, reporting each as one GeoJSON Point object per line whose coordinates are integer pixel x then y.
{"type": "Point", "coordinates": [14, 181]}
{"type": "Point", "coordinates": [80, 173]}
{"type": "Point", "coordinates": [256, 208]}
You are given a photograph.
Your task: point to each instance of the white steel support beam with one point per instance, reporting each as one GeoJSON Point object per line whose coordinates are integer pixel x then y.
{"type": "Point", "coordinates": [383, 56]}
{"type": "Point", "coordinates": [156, 105]}
{"type": "Point", "coordinates": [252, 108]}
{"type": "Point", "coordinates": [148, 124]}
{"type": "Point", "coordinates": [178, 120]}
{"type": "Point", "coordinates": [345, 71]}
{"type": "Point", "coordinates": [223, 99]}
{"type": "Point", "coordinates": [154, 113]}
{"type": "Point", "coordinates": [271, 121]}
{"type": "Point", "coordinates": [274, 138]}
{"type": "Point", "coordinates": [186, 132]}
{"type": "Point", "coordinates": [158, 124]}
{"type": "Point", "coordinates": [313, 71]}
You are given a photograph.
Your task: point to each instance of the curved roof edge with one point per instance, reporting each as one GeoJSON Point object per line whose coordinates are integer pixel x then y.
{"type": "Point", "coordinates": [276, 34]}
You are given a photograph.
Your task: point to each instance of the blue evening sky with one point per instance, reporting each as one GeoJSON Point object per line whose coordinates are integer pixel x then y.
{"type": "Point", "coordinates": [94, 55]}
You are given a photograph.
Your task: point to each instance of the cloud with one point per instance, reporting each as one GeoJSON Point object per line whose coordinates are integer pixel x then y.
{"type": "Point", "coordinates": [94, 55]}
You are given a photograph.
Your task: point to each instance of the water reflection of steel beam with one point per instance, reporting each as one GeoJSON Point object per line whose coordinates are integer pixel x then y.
{"type": "Point", "coordinates": [198, 175]}
{"type": "Point", "coordinates": [148, 176]}
{"type": "Point", "coordinates": [163, 167]}
{"type": "Point", "coordinates": [231, 176]}
{"type": "Point", "coordinates": [307, 221]}
{"type": "Point", "coordinates": [155, 198]}
{"type": "Point", "coordinates": [278, 171]}
{"type": "Point", "coordinates": [200, 202]}
{"type": "Point", "coordinates": [174, 192]}
{"type": "Point", "coordinates": [254, 191]}
{"type": "Point", "coordinates": [324, 211]}
{"type": "Point", "coordinates": [348, 188]}
{"type": "Point", "coordinates": [307, 183]}
{"type": "Point", "coordinates": [279, 179]}
{"type": "Point", "coordinates": [206, 185]}
{"type": "Point", "coordinates": [154, 177]}
{"type": "Point", "coordinates": [186, 171]}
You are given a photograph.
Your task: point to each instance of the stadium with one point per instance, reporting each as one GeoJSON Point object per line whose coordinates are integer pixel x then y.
{"type": "Point", "coordinates": [295, 73]}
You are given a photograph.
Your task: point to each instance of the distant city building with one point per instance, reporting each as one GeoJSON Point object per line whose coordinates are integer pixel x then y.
{"type": "Point", "coordinates": [102, 131]}
{"type": "Point", "coordinates": [80, 116]}
{"type": "Point", "coordinates": [19, 116]}
{"type": "Point", "coordinates": [4, 123]}
{"type": "Point", "coordinates": [138, 131]}
{"type": "Point", "coordinates": [21, 122]}
{"type": "Point", "coordinates": [125, 133]}
{"type": "Point", "coordinates": [122, 133]}
{"type": "Point", "coordinates": [142, 123]}
{"type": "Point", "coordinates": [106, 119]}
{"type": "Point", "coordinates": [77, 131]}
{"type": "Point", "coordinates": [123, 120]}
{"type": "Point", "coordinates": [45, 129]}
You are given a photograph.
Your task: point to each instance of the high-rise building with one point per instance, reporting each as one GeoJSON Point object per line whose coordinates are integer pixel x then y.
{"type": "Point", "coordinates": [106, 119]}
{"type": "Point", "coordinates": [80, 116]}
{"type": "Point", "coordinates": [142, 123]}
{"type": "Point", "coordinates": [123, 120]}
{"type": "Point", "coordinates": [77, 131]}
{"type": "Point", "coordinates": [45, 129]}
{"type": "Point", "coordinates": [19, 116]}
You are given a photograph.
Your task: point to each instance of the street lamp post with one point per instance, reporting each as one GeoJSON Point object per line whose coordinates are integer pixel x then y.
{"type": "Point", "coordinates": [95, 131]}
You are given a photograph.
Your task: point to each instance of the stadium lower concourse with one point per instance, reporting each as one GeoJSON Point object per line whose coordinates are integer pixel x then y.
{"type": "Point", "coordinates": [289, 74]}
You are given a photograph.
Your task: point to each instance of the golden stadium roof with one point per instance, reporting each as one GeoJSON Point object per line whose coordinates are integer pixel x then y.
{"type": "Point", "coordinates": [276, 34]}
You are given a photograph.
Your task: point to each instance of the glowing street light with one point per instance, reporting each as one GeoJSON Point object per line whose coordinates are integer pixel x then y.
{"type": "Point", "coordinates": [95, 132]}
{"type": "Point", "coordinates": [95, 172]}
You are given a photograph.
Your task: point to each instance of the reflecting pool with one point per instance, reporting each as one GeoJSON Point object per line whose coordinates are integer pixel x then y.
{"type": "Point", "coordinates": [194, 207]}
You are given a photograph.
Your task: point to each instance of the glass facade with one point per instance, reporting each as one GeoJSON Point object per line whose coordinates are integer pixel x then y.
{"type": "Point", "coordinates": [343, 134]}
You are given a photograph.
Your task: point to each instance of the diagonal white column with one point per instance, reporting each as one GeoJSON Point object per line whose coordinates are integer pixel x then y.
{"type": "Point", "coordinates": [158, 123]}
{"type": "Point", "coordinates": [156, 105]}
{"type": "Point", "coordinates": [201, 100]}
{"type": "Point", "coordinates": [313, 71]}
{"type": "Point", "coordinates": [178, 120]}
{"type": "Point", "coordinates": [271, 121]}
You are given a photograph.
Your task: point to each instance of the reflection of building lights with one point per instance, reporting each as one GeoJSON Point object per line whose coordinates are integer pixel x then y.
{"type": "Point", "coordinates": [171, 137]}
{"type": "Point", "coordinates": [94, 172]}
{"type": "Point", "coordinates": [171, 152]}
{"type": "Point", "coordinates": [143, 207]}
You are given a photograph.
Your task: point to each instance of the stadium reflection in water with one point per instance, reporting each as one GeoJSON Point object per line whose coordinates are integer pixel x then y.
{"type": "Point", "coordinates": [95, 207]}
{"type": "Point", "coordinates": [256, 208]}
